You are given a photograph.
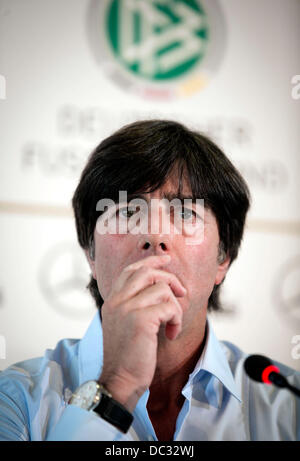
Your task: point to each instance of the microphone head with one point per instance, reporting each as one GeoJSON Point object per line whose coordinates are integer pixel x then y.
{"type": "Point", "coordinates": [255, 365]}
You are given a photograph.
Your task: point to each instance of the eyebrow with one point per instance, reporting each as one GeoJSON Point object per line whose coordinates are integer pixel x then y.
{"type": "Point", "coordinates": [168, 195]}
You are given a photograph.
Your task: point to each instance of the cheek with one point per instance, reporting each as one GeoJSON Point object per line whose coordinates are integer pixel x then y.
{"type": "Point", "coordinates": [202, 267]}
{"type": "Point", "coordinates": [109, 251]}
{"type": "Point", "coordinates": [204, 255]}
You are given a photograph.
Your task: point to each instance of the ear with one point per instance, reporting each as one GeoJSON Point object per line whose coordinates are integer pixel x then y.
{"type": "Point", "coordinates": [91, 262]}
{"type": "Point", "coordinates": [222, 270]}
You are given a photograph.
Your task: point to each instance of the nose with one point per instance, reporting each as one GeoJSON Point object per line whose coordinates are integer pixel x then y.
{"type": "Point", "coordinates": [154, 245]}
{"type": "Point", "coordinates": [157, 239]}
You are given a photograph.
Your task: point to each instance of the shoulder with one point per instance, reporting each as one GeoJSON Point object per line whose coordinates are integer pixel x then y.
{"type": "Point", "coordinates": [30, 371]}
{"type": "Point", "coordinates": [236, 358]}
{"type": "Point", "coordinates": [31, 390]}
{"type": "Point", "coordinates": [272, 413]}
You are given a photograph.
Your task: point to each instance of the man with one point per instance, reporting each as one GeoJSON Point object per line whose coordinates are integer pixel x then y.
{"type": "Point", "coordinates": [160, 214]}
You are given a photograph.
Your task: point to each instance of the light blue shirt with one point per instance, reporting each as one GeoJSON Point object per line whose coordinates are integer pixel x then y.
{"type": "Point", "coordinates": [221, 403]}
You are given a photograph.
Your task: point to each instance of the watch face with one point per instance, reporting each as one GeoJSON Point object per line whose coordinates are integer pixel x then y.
{"type": "Point", "coordinates": [86, 396]}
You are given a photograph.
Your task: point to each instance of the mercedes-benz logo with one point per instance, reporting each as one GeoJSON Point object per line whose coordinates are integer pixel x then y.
{"type": "Point", "coordinates": [286, 290]}
{"type": "Point", "coordinates": [63, 276]}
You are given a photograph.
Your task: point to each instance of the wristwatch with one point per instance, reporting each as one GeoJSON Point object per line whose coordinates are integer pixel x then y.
{"type": "Point", "coordinates": [93, 396]}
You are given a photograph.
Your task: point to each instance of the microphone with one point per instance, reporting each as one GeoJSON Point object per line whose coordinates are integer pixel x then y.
{"type": "Point", "coordinates": [261, 369]}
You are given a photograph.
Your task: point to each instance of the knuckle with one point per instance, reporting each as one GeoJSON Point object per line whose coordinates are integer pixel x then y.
{"type": "Point", "coordinates": [141, 272]}
{"type": "Point", "coordinates": [113, 300]}
{"type": "Point", "coordinates": [107, 305]}
{"type": "Point", "coordinates": [115, 303]}
{"type": "Point", "coordinates": [148, 274]}
{"type": "Point", "coordinates": [161, 284]}
{"type": "Point", "coordinates": [169, 278]}
{"type": "Point", "coordinates": [129, 268]}
{"type": "Point", "coordinates": [137, 322]}
{"type": "Point", "coordinates": [145, 270]}
{"type": "Point", "coordinates": [165, 290]}
{"type": "Point", "coordinates": [175, 304]}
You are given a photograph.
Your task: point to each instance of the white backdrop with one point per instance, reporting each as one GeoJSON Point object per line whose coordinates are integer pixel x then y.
{"type": "Point", "coordinates": [58, 100]}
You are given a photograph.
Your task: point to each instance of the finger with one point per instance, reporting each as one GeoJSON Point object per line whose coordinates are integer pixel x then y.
{"type": "Point", "coordinates": [154, 294]}
{"type": "Point", "coordinates": [172, 331]}
{"type": "Point", "coordinates": [150, 261]}
{"type": "Point", "coordinates": [146, 276]}
{"type": "Point", "coordinates": [164, 313]}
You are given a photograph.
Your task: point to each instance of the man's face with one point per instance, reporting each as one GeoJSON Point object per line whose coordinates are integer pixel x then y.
{"type": "Point", "coordinates": [195, 265]}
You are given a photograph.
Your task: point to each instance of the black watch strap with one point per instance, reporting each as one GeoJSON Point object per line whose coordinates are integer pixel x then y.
{"type": "Point", "coordinates": [113, 412]}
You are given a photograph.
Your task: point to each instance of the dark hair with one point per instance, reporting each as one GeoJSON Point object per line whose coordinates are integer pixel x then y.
{"type": "Point", "coordinates": [139, 158]}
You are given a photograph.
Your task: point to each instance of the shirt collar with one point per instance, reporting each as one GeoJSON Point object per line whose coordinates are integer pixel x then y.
{"type": "Point", "coordinates": [213, 359]}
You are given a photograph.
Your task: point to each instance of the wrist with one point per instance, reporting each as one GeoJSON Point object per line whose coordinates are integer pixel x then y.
{"type": "Point", "coordinates": [124, 393]}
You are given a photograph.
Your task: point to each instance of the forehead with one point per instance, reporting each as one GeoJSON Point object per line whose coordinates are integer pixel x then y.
{"type": "Point", "coordinates": [177, 184]}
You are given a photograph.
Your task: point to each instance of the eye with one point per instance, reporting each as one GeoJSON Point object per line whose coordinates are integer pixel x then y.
{"type": "Point", "coordinates": [126, 212]}
{"type": "Point", "coordinates": [187, 214]}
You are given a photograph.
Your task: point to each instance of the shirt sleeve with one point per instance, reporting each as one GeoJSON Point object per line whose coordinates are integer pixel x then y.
{"type": "Point", "coordinates": [76, 424]}
{"type": "Point", "coordinates": [13, 419]}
